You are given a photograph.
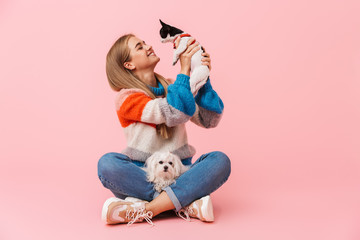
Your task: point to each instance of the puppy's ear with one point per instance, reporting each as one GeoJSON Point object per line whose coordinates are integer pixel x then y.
{"type": "Point", "coordinates": [147, 162]}
{"type": "Point", "coordinates": [150, 167]}
{"type": "Point", "coordinates": [178, 166]}
{"type": "Point", "coordinates": [151, 176]}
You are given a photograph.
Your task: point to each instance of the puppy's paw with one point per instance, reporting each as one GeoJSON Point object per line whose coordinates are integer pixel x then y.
{"type": "Point", "coordinates": [157, 187]}
{"type": "Point", "coordinates": [174, 62]}
{"type": "Point", "coordinates": [175, 59]}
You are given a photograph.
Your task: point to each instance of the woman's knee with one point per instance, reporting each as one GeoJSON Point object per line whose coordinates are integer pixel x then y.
{"type": "Point", "coordinates": [110, 168]}
{"type": "Point", "coordinates": [105, 162]}
{"type": "Point", "coordinates": [109, 162]}
{"type": "Point", "coordinates": [222, 162]}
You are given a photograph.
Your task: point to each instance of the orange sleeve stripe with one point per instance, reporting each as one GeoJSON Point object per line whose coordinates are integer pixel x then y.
{"type": "Point", "coordinates": [133, 106]}
{"type": "Point", "coordinates": [124, 122]}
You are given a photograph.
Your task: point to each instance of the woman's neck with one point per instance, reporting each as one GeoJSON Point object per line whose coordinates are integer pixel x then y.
{"type": "Point", "coordinates": [147, 77]}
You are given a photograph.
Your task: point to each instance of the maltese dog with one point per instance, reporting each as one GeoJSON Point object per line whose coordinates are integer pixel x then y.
{"type": "Point", "coordinates": [163, 168]}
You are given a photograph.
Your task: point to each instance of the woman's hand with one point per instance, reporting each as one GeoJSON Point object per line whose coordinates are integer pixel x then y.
{"type": "Point", "coordinates": [206, 59]}
{"type": "Point", "coordinates": [185, 57]}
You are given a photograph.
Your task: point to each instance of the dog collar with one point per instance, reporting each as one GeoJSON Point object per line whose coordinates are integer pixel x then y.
{"type": "Point", "coordinates": [183, 35]}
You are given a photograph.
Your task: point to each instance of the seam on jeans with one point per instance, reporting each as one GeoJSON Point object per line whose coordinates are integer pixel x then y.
{"type": "Point", "coordinates": [112, 185]}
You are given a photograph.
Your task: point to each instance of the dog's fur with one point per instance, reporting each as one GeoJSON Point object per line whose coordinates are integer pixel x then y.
{"type": "Point", "coordinates": [199, 72]}
{"type": "Point", "coordinates": [163, 168]}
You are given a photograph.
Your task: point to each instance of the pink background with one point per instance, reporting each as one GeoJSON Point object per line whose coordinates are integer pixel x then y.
{"type": "Point", "coordinates": [287, 71]}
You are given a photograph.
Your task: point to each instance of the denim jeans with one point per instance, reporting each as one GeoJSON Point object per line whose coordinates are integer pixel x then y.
{"type": "Point", "coordinates": [124, 177]}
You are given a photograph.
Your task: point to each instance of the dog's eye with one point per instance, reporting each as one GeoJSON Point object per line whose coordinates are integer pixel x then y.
{"type": "Point", "coordinates": [170, 163]}
{"type": "Point", "coordinates": [161, 162]}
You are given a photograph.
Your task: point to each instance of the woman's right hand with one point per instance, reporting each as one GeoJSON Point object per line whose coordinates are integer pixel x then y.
{"type": "Point", "coordinates": [185, 57]}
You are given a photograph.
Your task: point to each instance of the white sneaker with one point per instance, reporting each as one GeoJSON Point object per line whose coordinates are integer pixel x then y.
{"type": "Point", "coordinates": [201, 209]}
{"type": "Point", "coordinates": [116, 210]}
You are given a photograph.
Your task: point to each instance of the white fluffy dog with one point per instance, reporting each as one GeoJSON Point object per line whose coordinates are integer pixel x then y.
{"type": "Point", "coordinates": [163, 168]}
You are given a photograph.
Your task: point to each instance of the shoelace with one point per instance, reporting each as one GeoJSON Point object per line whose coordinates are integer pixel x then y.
{"type": "Point", "coordinates": [187, 211]}
{"type": "Point", "coordinates": [140, 214]}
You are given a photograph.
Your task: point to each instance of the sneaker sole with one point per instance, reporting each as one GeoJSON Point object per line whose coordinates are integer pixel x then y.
{"type": "Point", "coordinates": [106, 207]}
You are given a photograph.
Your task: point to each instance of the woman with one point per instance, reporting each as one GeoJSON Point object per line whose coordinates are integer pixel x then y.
{"type": "Point", "coordinates": [153, 111]}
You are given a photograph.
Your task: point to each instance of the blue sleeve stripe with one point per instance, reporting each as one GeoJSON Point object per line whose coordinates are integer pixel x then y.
{"type": "Point", "coordinates": [179, 95]}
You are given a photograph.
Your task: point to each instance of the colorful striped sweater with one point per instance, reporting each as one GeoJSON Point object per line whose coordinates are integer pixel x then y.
{"type": "Point", "coordinates": [139, 114]}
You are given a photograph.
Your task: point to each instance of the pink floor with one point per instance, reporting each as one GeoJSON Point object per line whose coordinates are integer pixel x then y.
{"type": "Point", "coordinates": [257, 205]}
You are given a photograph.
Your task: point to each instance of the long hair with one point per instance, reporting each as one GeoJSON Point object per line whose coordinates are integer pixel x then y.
{"type": "Point", "coordinates": [120, 77]}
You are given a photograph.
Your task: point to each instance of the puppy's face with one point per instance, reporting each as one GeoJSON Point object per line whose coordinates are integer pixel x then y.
{"type": "Point", "coordinates": [163, 165]}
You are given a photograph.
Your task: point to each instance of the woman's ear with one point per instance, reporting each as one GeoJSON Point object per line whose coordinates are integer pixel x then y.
{"type": "Point", "coordinates": [129, 66]}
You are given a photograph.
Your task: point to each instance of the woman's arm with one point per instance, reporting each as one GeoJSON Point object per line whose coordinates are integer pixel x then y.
{"type": "Point", "coordinates": [134, 105]}
{"type": "Point", "coordinates": [209, 107]}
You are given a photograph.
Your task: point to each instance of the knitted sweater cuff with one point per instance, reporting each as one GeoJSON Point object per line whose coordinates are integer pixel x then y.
{"type": "Point", "coordinates": [184, 80]}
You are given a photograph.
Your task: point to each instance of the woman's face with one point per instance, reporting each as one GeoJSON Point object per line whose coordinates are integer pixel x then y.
{"type": "Point", "coordinates": [140, 55]}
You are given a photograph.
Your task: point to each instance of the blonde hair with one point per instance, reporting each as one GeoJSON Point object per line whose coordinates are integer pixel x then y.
{"type": "Point", "coordinates": [120, 77]}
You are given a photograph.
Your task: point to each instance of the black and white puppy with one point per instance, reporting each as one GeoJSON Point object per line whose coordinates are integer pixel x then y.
{"type": "Point", "coordinates": [199, 72]}
{"type": "Point", "coordinates": [163, 168]}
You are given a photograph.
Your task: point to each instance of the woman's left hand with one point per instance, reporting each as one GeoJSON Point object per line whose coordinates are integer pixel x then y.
{"type": "Point", "coordinates": [206, 59]}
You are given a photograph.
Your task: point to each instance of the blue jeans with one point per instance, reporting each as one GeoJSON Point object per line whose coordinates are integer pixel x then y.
{"type": "Point", "coordinates": [124, 177]}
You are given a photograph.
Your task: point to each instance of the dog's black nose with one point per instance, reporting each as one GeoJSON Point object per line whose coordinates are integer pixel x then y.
{"type": "Point", "coordinates": [166, 167]}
